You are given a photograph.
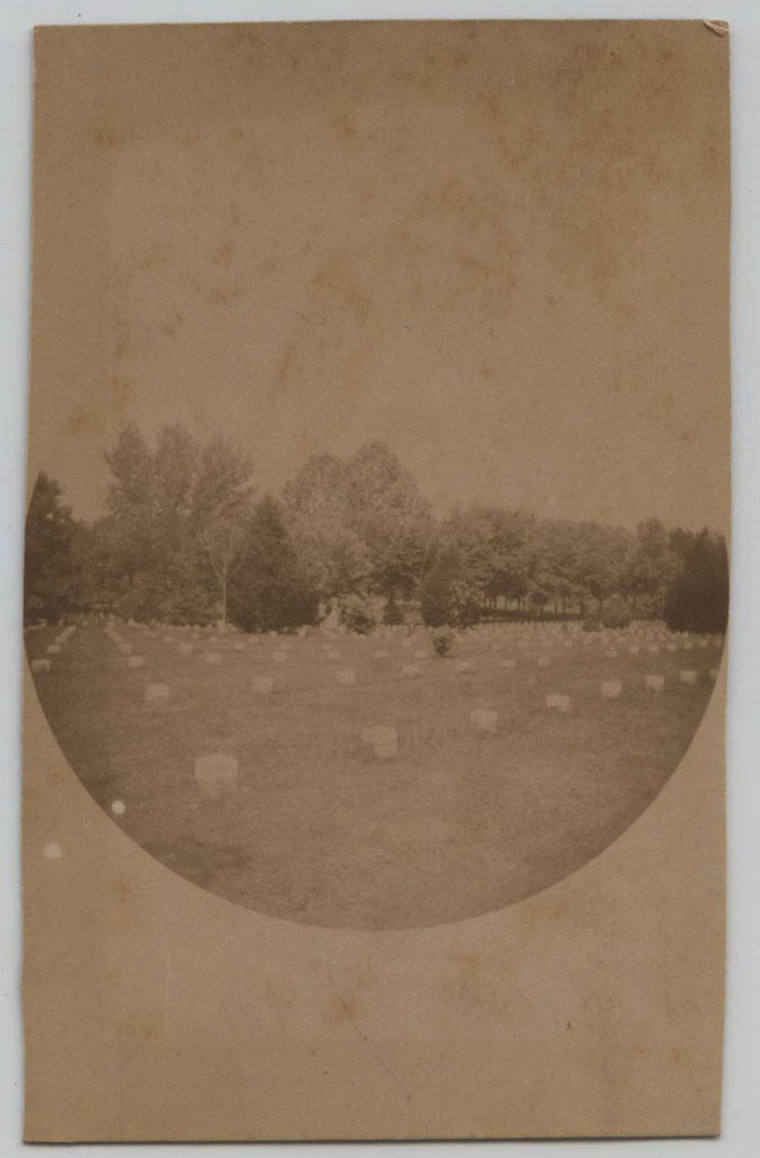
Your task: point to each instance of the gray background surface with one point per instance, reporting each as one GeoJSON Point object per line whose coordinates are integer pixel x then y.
{"type": "Point", "coordinates": [741, 1111]}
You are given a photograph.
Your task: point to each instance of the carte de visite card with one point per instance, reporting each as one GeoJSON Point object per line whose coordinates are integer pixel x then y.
{"type": "Point", "coordinates": [376, 581]}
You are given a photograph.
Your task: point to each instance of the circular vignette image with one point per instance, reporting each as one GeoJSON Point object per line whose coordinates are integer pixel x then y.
{"type": "Point", "coordinates": [375, 569]}
{"type": "Point", "coordinates": [366, 760]}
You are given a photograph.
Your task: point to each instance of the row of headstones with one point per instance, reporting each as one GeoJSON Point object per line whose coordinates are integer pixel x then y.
{"type": "Point", "coordinates": [44, 664]}
{"type": "Point", "coordinates": [218, 772]}
{"type": "Point", "coordinates": [523, 635]}
{"type": "Point", "coordinates": [263, 685]}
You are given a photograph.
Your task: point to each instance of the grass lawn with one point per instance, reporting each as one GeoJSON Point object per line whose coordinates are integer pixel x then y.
{"type": "Point", "coordinates": [321, 831]}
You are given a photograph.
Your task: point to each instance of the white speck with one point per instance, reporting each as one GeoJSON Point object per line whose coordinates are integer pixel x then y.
{"type": "Point", "coordinates": [52, 851]}
{"type": "Point", "coordinates": [118, 807]}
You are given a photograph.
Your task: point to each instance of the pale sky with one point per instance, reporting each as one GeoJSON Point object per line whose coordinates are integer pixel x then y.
{"type": "Point", "coordinates": [503, 252]}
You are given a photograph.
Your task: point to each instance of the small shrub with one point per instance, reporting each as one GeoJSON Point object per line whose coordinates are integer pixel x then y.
{"type": "Point", "coordinates": [443, 642]}
{"type": "Point", "coordinates": [392, 613]}
{"type": "Point", "coordinates": [617, 613]}
{"type": "Point", "coordinates": [357, 613]}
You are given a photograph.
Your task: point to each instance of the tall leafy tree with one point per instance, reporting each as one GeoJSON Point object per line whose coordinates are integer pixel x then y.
{"type": "Point", "coordinates": [129, 502]}
{"type": "Point", "coordinates": [335, 558]}
{"type": "Point", "coordinates": [269, 590]}
{"type": "Point", "coordinates": [51, 571]}
{"type": "Point", "coordinates": [221, 511]}
{"type": "Point", "coordinates": [654, 565]}
{"type": "Point", "coordinates": [697, 598]}
{"type": "Point", "coordinates": [389, 515]}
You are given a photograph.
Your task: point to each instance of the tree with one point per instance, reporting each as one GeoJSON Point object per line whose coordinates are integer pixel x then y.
{"type": "Point", "coordinates": [449, 595]}
{"type": "Point", "coordinates": [176, 522]}
{"type": "Point", "coordinates": [129, 502]}
{"type": "Point", "coordinates": [697, 598]}
{"type": "Point", "coordinates": [654, 564]}
{"type": "Point", "coordinates": [603, 555]}
{"type": "Point", "coordinates": [221, 511]}
{"type": "Point", "coordinates": [51, 574]}
{"type": "Point", "coordinates": [269, 592]}
{"type": "Point", "coordinates": [493, 548]}
{"type": "Point", "coordinates": [388, 514]}
{"type": "Point", "coordinates": [361, 525]}
{"type": "Point", "coordinates": [334, 558]}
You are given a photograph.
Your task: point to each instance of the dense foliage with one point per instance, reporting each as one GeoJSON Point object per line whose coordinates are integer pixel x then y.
{"type": "Point", "coordinates": [186, 539]}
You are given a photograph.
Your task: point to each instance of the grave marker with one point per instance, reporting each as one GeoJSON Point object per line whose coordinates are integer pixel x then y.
{"type": "Point", "coordinates": [156, 693]}
{"type": "Point", "coordinates": [611, 689]}
{"type": "Point", "coordinates": [484, 719]}
{"type": "Point", "coordinates": [216, 774]}
{"type": "Point", "coordinates": [383, 740]}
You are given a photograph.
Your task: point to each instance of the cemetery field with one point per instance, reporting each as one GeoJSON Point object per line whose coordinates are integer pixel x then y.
{"type": "Point", "coordinates": [445, 817]}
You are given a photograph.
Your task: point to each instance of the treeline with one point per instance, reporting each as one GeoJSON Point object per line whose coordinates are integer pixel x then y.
{"type": "Point", "coordinates": [186, 539]}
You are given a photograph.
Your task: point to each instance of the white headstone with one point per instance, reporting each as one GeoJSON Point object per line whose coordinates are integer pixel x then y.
{"type": "Point", "coordinates": [558, 703]}
{"type": "Point", "coordinates": [463, 667]}
{"type": "Point", "coordinates": [53, 648]}
{"type": "Point", "coordinates": [383, 739]}
{"type": "Point", "coordinates": [156, 693]}
{"type": "Point", "coordinates": [262, 685]}
{"type": "Point", "coordinates": [611, 689]}
{"type": "Point", "coordinates": [654, 683]}
{"type": "Point", "coordinates": [484, 719]}
{"type": "Point", "coordinates": [687, 676]}
{"type": "Point", "coordinates": [136, 661]}
{"type": "Point", "coordinates": [39, 665]}
{"type": "Point", "coordinates": [216, 774]}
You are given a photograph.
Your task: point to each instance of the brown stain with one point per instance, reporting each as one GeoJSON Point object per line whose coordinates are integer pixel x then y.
{"type": "Point", "coordinates": [123, 394]}
{"type": "Point", "coordinates": [360, 305]}
{"type": "Point", "coordinates": [341, 1009]}
{"type": "Point", "coordinates": [82, 421]}
{"type": "Point", "coordinates": [171, 327]}
{"type": "Point", "coordinates": [467, 986]}
{"type": "Point", "coordinates": [160, 254]}
{"type": "Point", "coordinates": [106, 137]}
{"type": "Point", "coordinates": [344, 127]}
{"type": "Point", "coordinates": [285, 363]}
{"type": "Point", "coordinates": [223, 254]}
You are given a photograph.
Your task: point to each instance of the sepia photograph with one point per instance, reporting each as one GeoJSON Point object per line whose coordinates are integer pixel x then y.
{"type": "Point", "coordinates": [342, 705]}
{"type": "Point", "coordinates": [376, 574]}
